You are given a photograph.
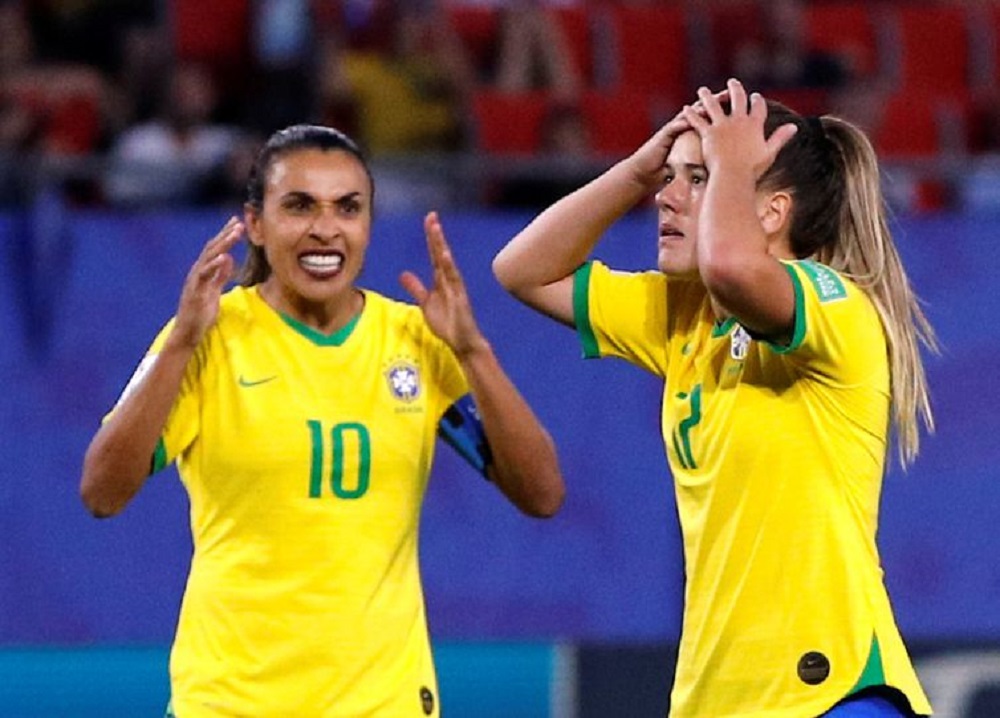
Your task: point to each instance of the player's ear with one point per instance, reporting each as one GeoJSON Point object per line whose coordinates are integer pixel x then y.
{"type": "Point", "coordinates": [775, 211]}
{"type": "Point", "coordinates": [251, 220]}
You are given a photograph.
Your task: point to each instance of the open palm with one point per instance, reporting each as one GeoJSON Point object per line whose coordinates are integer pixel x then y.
{"type": "Point", "coordinates": [445, 304]}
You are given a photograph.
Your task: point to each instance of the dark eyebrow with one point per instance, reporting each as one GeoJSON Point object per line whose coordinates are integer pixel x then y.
{"type": "Point", "coordinates": [687, 167]}
{"type": "Point", "coordinates": [299, 195]}
{"type": "Point", "coordinates": [307, 197]}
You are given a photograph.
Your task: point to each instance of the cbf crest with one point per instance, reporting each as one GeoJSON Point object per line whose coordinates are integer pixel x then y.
{"type": "Point", "coordinates": [739, 343]}
{"type": "Point", "coordinates": [403, 377]}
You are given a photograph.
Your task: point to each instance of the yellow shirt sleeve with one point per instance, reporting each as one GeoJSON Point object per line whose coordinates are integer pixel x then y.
{"type": "Point", "coordinates": [622, 314]}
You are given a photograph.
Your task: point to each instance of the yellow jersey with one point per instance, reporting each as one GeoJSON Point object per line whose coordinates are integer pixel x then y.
{"type": "Point", "coordinates": [306, 459]}
{"type": "Point", "coordinates": [777, 455]}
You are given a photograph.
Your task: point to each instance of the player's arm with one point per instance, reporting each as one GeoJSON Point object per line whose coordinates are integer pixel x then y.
{"type": "Point", "coordinates": [462, 429]}
{"type": "Point", "coordinates": [119, 458]}
{"type": "Point", "coordinates": [524, 462]}
{"type": "Point", "coordinates": [501, 434]}
{"type": "Point", "coordinates": [120, 455]}
{"type": "Point", "coordinates": [733, 254]}
{"type": "Point", "coordinates": [537, 265]}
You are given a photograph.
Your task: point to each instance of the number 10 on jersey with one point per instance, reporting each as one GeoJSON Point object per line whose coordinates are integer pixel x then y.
{"type": "Point", "coordinates": [351, 446]}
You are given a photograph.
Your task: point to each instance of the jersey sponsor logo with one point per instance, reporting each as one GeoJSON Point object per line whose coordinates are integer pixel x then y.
{"type": "Point", "coordinates": [828, 284]}
{"type": "Point", "coordinates": [403, 378]}
{"type": "Point", "coordinates": [813, 668]}
{"type": "Point", "coordinates": [739, 343]}
{"type": "Point", "coordinates": [426, 700]}
{"type": "Point", "coordinates": [243, 381]}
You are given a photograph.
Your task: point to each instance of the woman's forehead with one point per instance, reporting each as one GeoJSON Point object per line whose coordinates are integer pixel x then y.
{"type": "Point", "coordinates": [686, 149]}
{"type": "Point", "coordinates": [317, 170]}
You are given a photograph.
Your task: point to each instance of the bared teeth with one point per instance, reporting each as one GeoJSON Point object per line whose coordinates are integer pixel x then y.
{"type": "Point", "coordinates": [321, 262]}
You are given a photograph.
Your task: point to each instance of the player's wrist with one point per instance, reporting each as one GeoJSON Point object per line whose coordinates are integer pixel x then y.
{"type": "Point", "coordinates": [181, 340]}
{"type": "Point", "coordinates": [474, 350]}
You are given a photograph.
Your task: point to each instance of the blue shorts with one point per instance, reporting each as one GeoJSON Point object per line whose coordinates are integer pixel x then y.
{"type": "Point", "coordinates": [869, 704]}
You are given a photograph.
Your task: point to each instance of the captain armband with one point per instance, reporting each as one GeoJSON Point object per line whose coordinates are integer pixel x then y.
{"type": "Point", "coordinates": [462, 429]}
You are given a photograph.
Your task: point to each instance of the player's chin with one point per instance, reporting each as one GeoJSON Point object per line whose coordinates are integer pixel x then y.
{"type": "Point", "coordinates": [671, 263]}
{"type": "Point", "coordinates": [320, 286]}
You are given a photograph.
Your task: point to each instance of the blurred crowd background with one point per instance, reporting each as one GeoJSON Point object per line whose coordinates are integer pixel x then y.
{"type": "Point", "coordinates": [133, 103]}
{"type": "Point", "coordinates": [126, 131]}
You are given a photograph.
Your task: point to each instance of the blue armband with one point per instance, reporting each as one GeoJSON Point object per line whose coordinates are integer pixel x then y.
{"type": "Point", "coordinates": [462, 429]}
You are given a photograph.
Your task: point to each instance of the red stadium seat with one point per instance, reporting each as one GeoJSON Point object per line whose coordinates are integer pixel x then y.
{"type": "Point", "coordinates": [722, 28]}
{"type": "Point", "coordinates": [618, 122]}
{"type": "Point", "coordinates": [478, 28]}
{"type": "Point", "coordinates": [509, 123]}
{"type": "Point", "coordinates": [991, 48]}
{"type": "Point", "coordinates": [916, 125]}
{"type": "Point", "coordinates": [933, 48]}
{"type": "Point", "coordinates": [575, 24]}
{"type": "Point", "coordinates": [215, 33]}
{"type": "Point", "coordinates": [651, 49]}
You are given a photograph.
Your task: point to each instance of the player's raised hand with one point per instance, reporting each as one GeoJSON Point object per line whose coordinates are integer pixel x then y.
{"type": "Point", "coordinates": [736, 135]}
{"type": "Point", "coordinates": [648, 163]}
{"type": "Point", "coordinates": [445, 304]}
{"type": "Point", "coordinates": [199, 304]}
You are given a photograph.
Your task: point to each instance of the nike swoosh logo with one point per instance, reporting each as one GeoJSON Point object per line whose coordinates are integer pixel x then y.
{"type": "Point", "coordinates": [249, 382]}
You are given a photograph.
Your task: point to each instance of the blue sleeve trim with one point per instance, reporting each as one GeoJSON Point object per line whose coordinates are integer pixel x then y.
{"type": "Point", "coordinates": [462, 429]}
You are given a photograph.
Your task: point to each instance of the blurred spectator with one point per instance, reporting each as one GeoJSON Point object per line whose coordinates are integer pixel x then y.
{"type": "Point", "coordinates": [283, 47]}
{"type": "Point", "coordinates": [565, 132]}
{"type": "Point", "coordinates": [48, 110]}
{"type": "Point", "coordinates": [180, 155]}
{"type": "Point", "coordinates": [567, 161]}
{"type": "Point", "coordinates": [89, 32]}
{"type": "Point", "coordinates": [780, 59]}
{"type": "Point", "coordinates": [534, 52]}
{"type": "Point", "coordinates": [978, 186]}
{"type": "Point", "coordinates": [400, 73]}
{"type": "Point", "coordinates": [138, 78]}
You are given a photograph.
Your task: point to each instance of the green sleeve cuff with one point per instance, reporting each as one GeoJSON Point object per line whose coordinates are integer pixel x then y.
{"type": "Point", "coordinates": [159, 460]}
{"type": "Point", "coordinates": [799, 329]}
{"type": "Point", "coordinates": [581, 311]}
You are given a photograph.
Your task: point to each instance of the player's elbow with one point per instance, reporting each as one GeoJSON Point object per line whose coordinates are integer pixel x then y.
{"type": "Point", "coordinates": [97, 502]}
{"type": "Point", "coordinates": [502, 270]}
{"type": "Point", "coordinates": [545, 496]}
{"type": "Point", "coordinates": [509, 275]}
{"type": "Point", "coordinates": [547, 505]}
{"type": "Point", "coordinates": [101, 494]}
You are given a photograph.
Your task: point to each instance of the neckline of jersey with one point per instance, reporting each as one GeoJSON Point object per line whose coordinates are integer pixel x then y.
{"type": "Point", "coordinates": [336, 339]}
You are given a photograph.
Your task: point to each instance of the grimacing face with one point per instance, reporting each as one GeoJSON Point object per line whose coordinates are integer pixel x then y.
{"type": "Point", "coordinates": [314, 226]}
{"type": "Point", "coordinates": [679, 202]}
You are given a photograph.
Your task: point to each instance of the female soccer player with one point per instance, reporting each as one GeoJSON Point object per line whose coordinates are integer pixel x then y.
{"type": "Point", "coordinates": [302, 412]}
{"type": "Point", "coordinates": [787, 334]}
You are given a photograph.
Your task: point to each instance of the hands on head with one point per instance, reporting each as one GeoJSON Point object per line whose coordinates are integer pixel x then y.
{"type": "Point", "coordinates": [736, 133]}
{"type": "Point", "coordinates": [730, 124]}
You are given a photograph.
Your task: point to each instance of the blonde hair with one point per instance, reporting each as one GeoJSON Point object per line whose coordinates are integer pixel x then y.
{"type": "Point", "coordinates": [844, 224]}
